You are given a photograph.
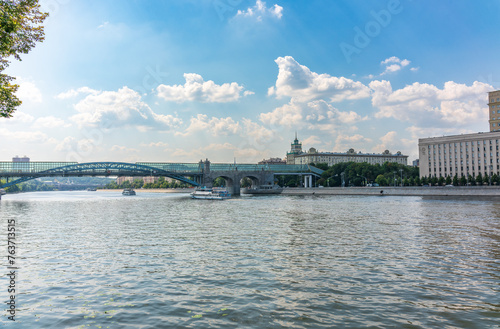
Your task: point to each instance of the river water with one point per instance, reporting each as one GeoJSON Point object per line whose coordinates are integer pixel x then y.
{"type": "Point", "coordinates": [103, 260]}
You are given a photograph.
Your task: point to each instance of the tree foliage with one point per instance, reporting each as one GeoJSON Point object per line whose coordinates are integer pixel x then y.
{"type": "Point", "coordinates": [20, 29]}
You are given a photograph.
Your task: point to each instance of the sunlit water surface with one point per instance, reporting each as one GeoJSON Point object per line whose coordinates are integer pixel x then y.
{"type": "Point", "coordinates": [103, 260]}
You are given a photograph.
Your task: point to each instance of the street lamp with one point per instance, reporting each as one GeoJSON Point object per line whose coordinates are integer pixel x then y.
{"type": "Point", "coordinates": [366, 179]}
{"type": "Point", "coordinates": [394, 173]}
{"type": "Point", "coordinates": [401, 170]}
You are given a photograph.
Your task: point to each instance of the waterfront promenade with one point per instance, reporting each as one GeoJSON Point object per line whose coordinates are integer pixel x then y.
{"type": "Point", "coordinates": [472, 191]}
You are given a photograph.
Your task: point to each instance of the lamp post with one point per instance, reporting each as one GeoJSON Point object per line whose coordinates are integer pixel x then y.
{"type": "Point", "coordinates": [401, 171]}
{"type": "Point", "coordinates": [342, 174]}
{"type": "Point", "coordinates": [328, 180]}
{"type": "Point", "coordinates": [491, 169]}
{"type": "Point", "coordinates": [394, 175]}
{"type": "Point", "coordinates": [366, 179]}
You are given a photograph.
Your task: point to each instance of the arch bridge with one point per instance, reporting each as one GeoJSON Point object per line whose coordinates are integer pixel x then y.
{"type": "Point", "coordinates": [196, 174]}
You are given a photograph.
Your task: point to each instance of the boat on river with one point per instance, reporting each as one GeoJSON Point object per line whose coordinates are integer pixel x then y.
{"type": "Point", "coordinates": [211, 193]}
{"type": "Point", "coordinates": [91, 189]}
{"type": "Point", "coordinates": [262, 189]}
{"type": "Point", "coordinates": [128, 191]}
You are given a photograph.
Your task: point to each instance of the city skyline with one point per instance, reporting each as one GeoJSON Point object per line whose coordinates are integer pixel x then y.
{"type": "Point", "coordinates": [188, 80]}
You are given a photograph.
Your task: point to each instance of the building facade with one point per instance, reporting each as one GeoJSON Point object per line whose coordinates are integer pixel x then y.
{"type": "Point", "coordinates": [494, 106]}
{"type": "Point", "coordinates": [332, 158]}
{"type": "Point", "coordinates": [297, 156]}
{"type": "Point", "coordinates": [460, 155]}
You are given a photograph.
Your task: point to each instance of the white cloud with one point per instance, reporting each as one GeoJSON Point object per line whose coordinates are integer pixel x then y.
{"type": "Point", "coordinates": [120, 108]}
{"type": "Point", "coordinates": [67, 144]}
{"type": "Point", "coordinates": [260, 11]}
{"type": "Point", "coordinates": [344, 142]}
{"type": "Point", "coordinates": [214, 126]}
{"type": "Point", "coordinates": [315, 115]}
{"type": "Point", "coordinates": [157, 144]}
{"type": "Point", "coordinates": [75, 92]}
{"type": "Point", "coordinates": [123, 149]}
{"type": "Point", "coordinates": [394, 64]}
{"type": "Point", "coordinates": [257, 134]}
{"type": "Point", "coordinates": [196, 89]}
{"type": "Point", "coordinates": [18, 117]}
{"type": "Point", "coordinates": [426, 105]}
{"type": "Point", "coordinates": [50, 122]}
{"type": "Point", "coordinates": [28, 91]}
{"type": "Point", "coordinates": [103, 25]}
{"type": "Point", "coordinates": [26, 136]}
{"type": "Point", "coordinates": [288, 115]}
{"type": "Point", "coordinates": [297, 81]}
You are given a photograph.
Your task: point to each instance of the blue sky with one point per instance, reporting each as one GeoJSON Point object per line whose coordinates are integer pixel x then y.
{"type": "Point", "coordinates": [184, 80]}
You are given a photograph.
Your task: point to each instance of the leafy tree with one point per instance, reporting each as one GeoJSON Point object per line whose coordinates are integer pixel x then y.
{"type": "Point", "coordinates": [455, 180]}
{"type": "Point", "coordinates": [137, 183]}
{"type": "Point", "coordinates": [463, 180]}
{"type": "Point", "coordinates": [20, 29]}
{"type": "Point", "coordinates": [246, 182]}
{"type": "Point", "coordinates": [494, 179]}
{"type": "Point", "coordinates": [448, 180]}
{"type": "Point", "coordinates": [381, 180]}
{"type": "Point", "coordinates": [441, 181]}
{"type": "Point", "coordinates": [479, 179]}
{"type": "Point", "coordinates": [486, 179]}
{"type": "Point", "coordinates": [417, 181]}
{"type": "Point", "coordinates": [434, 181]}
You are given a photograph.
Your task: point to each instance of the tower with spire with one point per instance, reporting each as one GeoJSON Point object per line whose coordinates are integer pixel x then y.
{"type": "Point", "coordinates": [296, 149]}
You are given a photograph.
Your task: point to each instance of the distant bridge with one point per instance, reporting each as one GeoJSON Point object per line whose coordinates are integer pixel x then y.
{"type": "Point", "coordinates": [202, 173]}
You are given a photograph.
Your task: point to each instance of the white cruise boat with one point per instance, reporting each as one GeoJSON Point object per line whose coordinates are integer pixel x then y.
{"type": "Point", "coordinates": [262, 189]}
{"type": "Point", "coordinates": [207, 193]}
{"type": "Point", "coordinates": [128, 191]}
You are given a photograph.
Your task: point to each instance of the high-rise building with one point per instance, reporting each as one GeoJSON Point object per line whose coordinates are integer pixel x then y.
{"type": "Point", "coordinates": [460, 155]}
{"type": "Point", "coordinates": [494, 105]}
{"type": "Point", "coordinates": [464, 155]}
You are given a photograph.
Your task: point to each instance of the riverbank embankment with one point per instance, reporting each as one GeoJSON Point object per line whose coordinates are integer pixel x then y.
{"type": "Point", "coordinates": [153, 190]}
{"type": "Point", "coordinates": [464, 191]}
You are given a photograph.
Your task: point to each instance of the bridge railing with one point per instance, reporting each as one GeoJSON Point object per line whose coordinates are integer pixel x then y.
{"type": "Point", "coordinates": [30, 167]}
{"type": "Point", "coordinates": [174, 167]}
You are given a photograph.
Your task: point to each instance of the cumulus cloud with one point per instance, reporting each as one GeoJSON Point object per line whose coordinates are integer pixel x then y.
{"type": "Point", "coordinates": [344, 142]}
{"type": "Point", "coordinates": [35, 137]}
{"type": "Point", "coordinates": [120, 108]}
{"type": "Point", "coordinates": [260, 11]}
{"type": "Point", "coordinates": [19, 117]}
{"type": "Point", "coordinates": [425, 104]}
{"type": "Point", "coordinates": [297, 81]}
{"type": "Point", "coordinates": [75, 92]}
{"type": "Point", "coordinates": [214, 126]}
{"type": "Point", "coordinates": [315, 114]}
{"type": "Point", "coordinates": [123, 149]}
{"type": "Point", "coordinates": [196, 89]}
{"type": "Point", "coordinates": [28, 91]}
{"type": "Point", "coordinates": [50, 122]}
{"type": "Point", "coordinates": [257, 134]}
{"type": "Point", "coordinates": [394, 64]}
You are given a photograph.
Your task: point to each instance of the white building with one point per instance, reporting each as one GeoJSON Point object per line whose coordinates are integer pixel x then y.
{"type": "Point", "coordinates": [332, 158]}
{"type": "Point", "coordinates": [460, 155]}
{"type": "Point", "coordinates": [296, 156]}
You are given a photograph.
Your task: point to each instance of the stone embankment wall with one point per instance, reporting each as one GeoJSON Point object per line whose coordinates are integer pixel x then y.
{"type": "Point", "coordinates": [489, 191]}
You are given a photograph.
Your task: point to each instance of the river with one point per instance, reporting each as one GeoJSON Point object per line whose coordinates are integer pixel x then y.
{"type": "Point", "coordinates": [103, 260]}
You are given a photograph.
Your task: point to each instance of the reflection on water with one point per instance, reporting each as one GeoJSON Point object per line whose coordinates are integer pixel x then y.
{"type": "Point", "coordinates": [99, 259]}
